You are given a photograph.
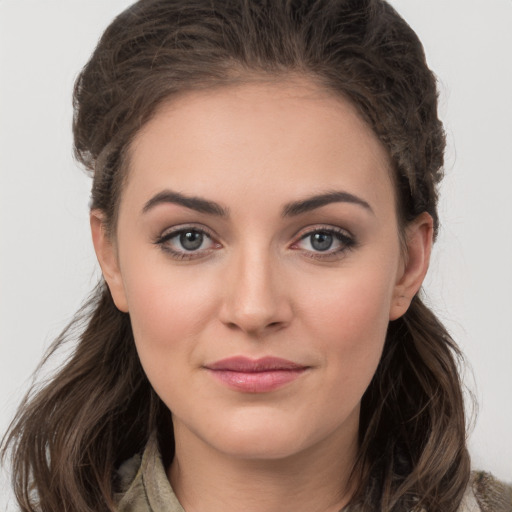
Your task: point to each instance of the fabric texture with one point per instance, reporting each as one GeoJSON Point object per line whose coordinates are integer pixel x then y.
{"type": "Point", "coordinates": [145, 488]}
{"type": "Point", "coordinates": [491, 494]}
{"type": "Point", "coordinates": [144, 484]}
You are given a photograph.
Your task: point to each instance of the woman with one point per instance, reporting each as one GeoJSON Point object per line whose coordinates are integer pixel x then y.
{"type": "Point", "coordinates": [263, 207]}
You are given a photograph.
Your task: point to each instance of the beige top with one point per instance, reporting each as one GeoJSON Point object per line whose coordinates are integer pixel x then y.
{"type": "Point", "coordinates": [146, 488]}
{"type": "Point", "coordinates": [145, 482]}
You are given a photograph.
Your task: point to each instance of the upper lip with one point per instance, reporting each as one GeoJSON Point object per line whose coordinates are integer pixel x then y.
{"type": "Point", "coordinates": [248, 365]}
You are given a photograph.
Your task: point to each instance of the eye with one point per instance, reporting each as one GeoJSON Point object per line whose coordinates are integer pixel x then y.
{"type": "Point", "coordinates": [321, 240]}
{"type": "Point", "coordinates": [186, 243]}
{"type": "Point", "coordinates": [190, 240]}
{"type": "Point", "coordinates": [325, 242]}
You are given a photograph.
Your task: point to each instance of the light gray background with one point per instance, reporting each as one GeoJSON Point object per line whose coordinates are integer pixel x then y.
{"type": "Point", "coordinates": [46, 260]}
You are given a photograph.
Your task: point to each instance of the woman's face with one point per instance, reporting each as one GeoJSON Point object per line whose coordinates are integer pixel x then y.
{"type": "Point", "coordinates": [257, 253]}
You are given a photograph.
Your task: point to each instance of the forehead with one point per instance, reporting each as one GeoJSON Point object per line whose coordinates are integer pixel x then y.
{"type": "Point", "coordinates": [282, 139]}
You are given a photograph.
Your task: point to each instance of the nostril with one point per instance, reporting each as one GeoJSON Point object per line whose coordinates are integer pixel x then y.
{"type": "Point", "coordinates": [254, 329]}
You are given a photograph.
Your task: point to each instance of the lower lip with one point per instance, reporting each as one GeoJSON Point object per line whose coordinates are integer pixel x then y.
{"type": "Point", "coordinates": [257, 382]}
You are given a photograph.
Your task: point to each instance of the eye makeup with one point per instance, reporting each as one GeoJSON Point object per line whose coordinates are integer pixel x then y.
{"type": "Point", "coordinates": [191, 242]}
{"type": "Point", "coordinates": [187, 242]}
{"type": "Point", "coordinates": [324, 242]}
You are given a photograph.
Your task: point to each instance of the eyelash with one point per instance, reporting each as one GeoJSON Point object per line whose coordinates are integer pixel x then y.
{"type": "Point", "coordinates": [346, 241]}
{"type": "Point", "coordinates": [163, 242]}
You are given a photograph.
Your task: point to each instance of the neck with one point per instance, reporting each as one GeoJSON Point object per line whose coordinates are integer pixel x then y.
{"type": "Point", "coordinates": [314, 480]}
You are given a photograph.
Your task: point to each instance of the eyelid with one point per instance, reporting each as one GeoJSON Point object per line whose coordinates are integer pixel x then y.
{"type": "Point", "coordinates": [169, 233]}
{"type": "Point", "coordinates": [304, 232]}
{"type": "Point", "coordinates": [179, 228]}
{"type": "Point", "coordinates": [344, 237]}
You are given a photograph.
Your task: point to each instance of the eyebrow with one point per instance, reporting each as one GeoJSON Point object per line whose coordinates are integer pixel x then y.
{"type": "Point", "coordinates": [290, 210]}
{"type": "Point", "coordinates": [314, 202]}
{"type": "Point", "coordinates": [193, 203]}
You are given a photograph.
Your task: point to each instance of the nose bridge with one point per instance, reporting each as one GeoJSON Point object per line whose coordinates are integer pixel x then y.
{"type": "Point", "coordinates": [254, 299]}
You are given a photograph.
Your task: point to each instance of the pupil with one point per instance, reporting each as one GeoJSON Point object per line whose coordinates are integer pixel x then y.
{"type": "Point", "coordinates": [321, 241]}
{"type": "Point", "coordinates": [191, 240]}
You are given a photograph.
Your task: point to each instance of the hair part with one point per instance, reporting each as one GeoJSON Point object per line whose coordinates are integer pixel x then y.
{"type": "Point", "coordinates": [69, 437]}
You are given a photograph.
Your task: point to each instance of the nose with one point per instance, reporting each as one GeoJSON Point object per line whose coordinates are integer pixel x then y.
{"type": "Point", "coordinates": [255, 299]}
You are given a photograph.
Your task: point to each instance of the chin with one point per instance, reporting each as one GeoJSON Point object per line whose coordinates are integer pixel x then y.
{"type": "Point", "coordinates": [259, 445]}
{"type": "Point", "coordinates": [263, 435]}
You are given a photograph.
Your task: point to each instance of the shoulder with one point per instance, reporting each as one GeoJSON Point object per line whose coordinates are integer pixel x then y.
{"type": "Point", "coordinates": [489, 493]}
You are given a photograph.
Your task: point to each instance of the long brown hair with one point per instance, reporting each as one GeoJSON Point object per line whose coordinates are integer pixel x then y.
{"type": "Point", "coordinates": [71, 433]}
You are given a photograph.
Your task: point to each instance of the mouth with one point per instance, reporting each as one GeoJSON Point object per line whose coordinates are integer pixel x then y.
{"type": "Point", "coordinates": [255, 375]}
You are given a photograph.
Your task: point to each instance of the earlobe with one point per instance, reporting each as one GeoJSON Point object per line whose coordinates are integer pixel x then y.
{"type": "Point", "coordinates": [419, 236]}
{"type": "Point", "coordinates": [107, 258]}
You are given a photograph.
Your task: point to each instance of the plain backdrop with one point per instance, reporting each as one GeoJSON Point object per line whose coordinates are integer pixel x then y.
{"type": "Point", "coordinates": [47, 265]}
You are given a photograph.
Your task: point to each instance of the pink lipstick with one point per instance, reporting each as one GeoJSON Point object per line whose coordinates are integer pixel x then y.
{"type": "Point", "coordinates": [255, 375]}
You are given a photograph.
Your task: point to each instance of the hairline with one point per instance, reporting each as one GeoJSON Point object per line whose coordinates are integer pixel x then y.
{"type": "Point", "coordinates": [237, 76]}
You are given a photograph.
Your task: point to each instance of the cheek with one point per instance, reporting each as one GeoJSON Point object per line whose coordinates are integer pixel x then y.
{"type": "Point", "coordinates": [348, 320]}
{"type": "Point", "coordinates": [168, 310]}
{"type": "Point", "coordinates": [355, 302]}
{"type": "Point", "coordinates": [155, 308]}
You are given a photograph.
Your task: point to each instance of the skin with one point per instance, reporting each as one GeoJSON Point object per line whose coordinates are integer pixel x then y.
{"type": "Point", "coordinates": [257, 286]}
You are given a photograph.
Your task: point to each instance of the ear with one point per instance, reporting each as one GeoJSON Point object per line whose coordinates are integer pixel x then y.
{"type": "Point", "coordinates": [108, 260]}
{"type": "Point", "coordinates": [419, 236]}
